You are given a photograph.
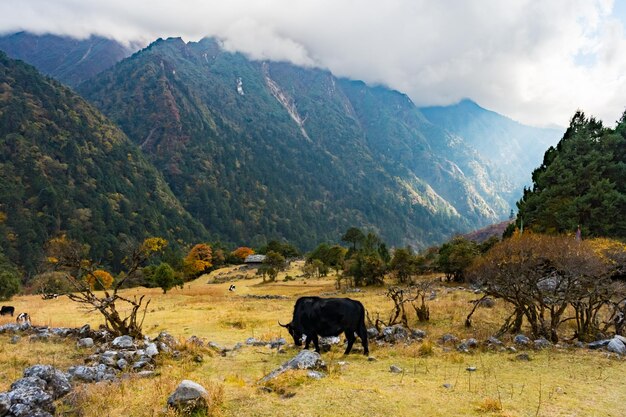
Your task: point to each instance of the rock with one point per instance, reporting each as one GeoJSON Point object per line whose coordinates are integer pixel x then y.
{"type": "Point", "coordinates": [418, 334]}
{"type": "Point", "coordinates": [523, 357]}
{"type": "Point", "coordinates": [520, 339]}
{"type": "Point", "coordinates": [494, 341]}
{"type": "Point", "coordinates": [472, 343]}
{"type": "Point", "coordinates": [471, 369]}
{"type": "Point", "coordinates": [168, 340]}
{"type": "Point", "coordinates": [447, 386]}
{"type": "Point", "coordinates": [29, 381]}
{"type": "Point", "coordinates": [86, 342]}
{"type": "Point", "coordinates": [123, 342]}
{"type": "Point", "coordinates": [189, 397]}
{"type": "Point", "coordinates": [448, 338]}
{"type": "Point", "coordinates": [512, 349]}
{"type": "Point", "coordinates": [275, 344]}
{"type": "Point", "coordinates": [122, 364]}
{"type": "Point", "coordinates": [39, 337]}
{"type": "Point", "coordinates": [487, 303]}
{"type": "Point", "coordinates": [194, 340]}
{"type": "Point", "coordinates": [8, 328]}
{"type": "Point", "coordinates": [463, 347]}
{"type": "Point", "coordinates": [145, 374]}
{"type": "Point", "coordinates": [84, 331]}
{"type": "Point", "coordinates": [394, 369]}
{"type": "Point", "coordinates": [58, 383]}
{"type": "Point", "coordinates": [372, 333]}
{"type": "Point", "coordinates": [315, 375]}
{"type": "Point", "coordinates": [542, 343]}
{"type": "Point", "coordinates": [5, 403]}
{"type": "Point", "coordinates": [34, 397]}
{"type": "Point", "coordinates": [616, 346]}
{"type": "Point", "coordinates": [305, 359]}
{"type": "Point", "coordinates": [92, 373]}
{"type": "Point", "coordinates": [371, 359]}
{"type": "Point", "coordinates": [109, 358]}
{"type": "Point", "coordinates": [152, 350]}
{"type": "Point", "coordinates": [140, 364]}
{"type": "Point", "coordinates": [621, 338]}
{"type": "Point", "coordinates": [25, 410]}
{"type": "Point", "coordinates": [598, 344]}
{"type": "Point", "coordinates": [14, 340]}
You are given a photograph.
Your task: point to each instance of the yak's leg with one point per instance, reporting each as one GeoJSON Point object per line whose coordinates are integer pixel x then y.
{"type": "Point", "coordinates": [350, 337]}
{"type": "Point", "coordinates": [307, 340]}
{"type": "Point", "coordinates": [363, 336]}
{"type": "Point", "coordinates": [316, 343]}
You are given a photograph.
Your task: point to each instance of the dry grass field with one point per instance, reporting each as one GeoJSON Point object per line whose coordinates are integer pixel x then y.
{"type": "Point", "coordinates": [555, 382]}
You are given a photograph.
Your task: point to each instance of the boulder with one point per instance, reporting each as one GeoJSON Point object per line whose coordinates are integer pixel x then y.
{"type": "Point", "coordinates": [472, 343]}
{"type": "Point", "coordinates": [123, 342]}
{"type": "Point", "coordinates": [448, 338]}
{"type": "Point", "coordinates": [25, 410]}
{"type": "Point", "coordinates": [520, 339]}
{"type": "Point", "coordinates": [58, 383]}
{"type": "Point", "coordinates": [29, 381]}
{"type": "Point", "coordinates": [32, 396]}
{"type": "Point", "coordinates": [5, 403]}
{"type": "Point", "coordinates": [305, 359]}
{"type": "Point", "coordinates": [418, 334]}
{"type": "Point", "coordinates": [372, 333]}
{"type": "Point", "coordinates": [151, 350]}
{"type": "Point", "coordinates": [617, 346]}
{"type": "Point", "coordinates": [598, 344]}
{"type": "Point", "coordinates": [542, 343]}
{"type": "Point", "coordinates": [394, 369]}
{"type": "Point", "coordinates": [92, 373]}
{"type": "Point", "coordinates": [494, 341]}
{"type": "Point", "coordinates": [189, 397]}
{"type": "Point", "coordinates": [85, 342]}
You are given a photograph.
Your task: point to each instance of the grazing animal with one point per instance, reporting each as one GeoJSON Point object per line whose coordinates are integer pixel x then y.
{"type": "Point", "coordinates": [7, 310]}
{"type": "Point", "coordinates": [231, 288]}
{"type": "Point", "coordinates": [23, 318]}
{"type": "Point", "coordinates": [315, 316]}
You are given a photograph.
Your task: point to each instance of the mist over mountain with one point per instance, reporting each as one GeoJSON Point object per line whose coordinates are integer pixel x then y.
{"type": "Point", "coordinates": [69, 60]}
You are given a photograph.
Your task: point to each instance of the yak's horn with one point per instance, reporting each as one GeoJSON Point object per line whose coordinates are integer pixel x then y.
{"type": "Point", "coordinates": [282, 325]}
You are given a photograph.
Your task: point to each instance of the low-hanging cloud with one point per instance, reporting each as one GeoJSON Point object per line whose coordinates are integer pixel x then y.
{"type": "Point", "coordinates": [535, 61]}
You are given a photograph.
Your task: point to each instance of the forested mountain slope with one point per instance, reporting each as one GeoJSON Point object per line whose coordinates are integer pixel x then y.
{"type": "Point", "coordinates": [65, 168]}
{"type": "Point", "coordinates": [259, 150]}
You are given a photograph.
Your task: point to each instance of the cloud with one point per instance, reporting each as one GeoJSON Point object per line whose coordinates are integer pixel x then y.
{"type": "Point", "coordinates": [536, 61]}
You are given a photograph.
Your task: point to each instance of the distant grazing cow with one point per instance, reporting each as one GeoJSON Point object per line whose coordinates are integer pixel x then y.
{"type": "Point", "coordinates": [23, 318]}
{"type": "Point", "coordinates": [7, 310]}
{"type": "Point", "coordinates": [315, 316]}
{"type": "Point", "coordinates": [231, 288]}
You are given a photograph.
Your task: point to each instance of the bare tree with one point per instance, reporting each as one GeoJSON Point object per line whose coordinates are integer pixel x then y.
{"type": "Point", "coordinates": [84, 277]}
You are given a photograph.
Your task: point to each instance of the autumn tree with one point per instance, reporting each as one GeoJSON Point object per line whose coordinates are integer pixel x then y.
{"type": "Point", "coordinates": [198, 261]}
{"type": "Point", "coordinates": [122, 315]}
{"type": "Point", "coordinates": [541, 276]}
{"type": "Point", "coordinates": [241, 253]}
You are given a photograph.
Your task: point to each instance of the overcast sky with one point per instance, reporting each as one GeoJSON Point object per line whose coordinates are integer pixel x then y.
{"type": "Point", "coordinates": [536, 61]}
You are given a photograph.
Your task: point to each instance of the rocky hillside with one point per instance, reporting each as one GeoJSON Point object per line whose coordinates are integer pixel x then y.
{"type": "Point", "coordinates": [259, 150]}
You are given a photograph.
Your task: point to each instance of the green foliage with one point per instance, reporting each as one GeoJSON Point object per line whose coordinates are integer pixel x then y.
{"type": "Point", "coordinates": [164, 277]}
{"type": "Point", "coordinates": [274, 262]}
{"type": "Point", "coordinates": [456, 256]}
{"type": "Point", "coordinates": [286, 249]}
{"type": "Point", "coordinates": [403, 265]}
{"type": "Point", "coordinates": [581, 182]}
{"type": "Point", "coordinates": [67, 169]}
{"type": "Point", "coordinates": [328, 256]}
{"type": "Point", "coordinates": [9, 278]}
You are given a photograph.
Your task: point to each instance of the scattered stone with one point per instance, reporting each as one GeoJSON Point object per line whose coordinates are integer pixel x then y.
{"type": "Point", "coordinates": [494, 341]}
{"type": "Point", "coordinates": [15, 339]}
{"type": "Point", "coordinates": [84, 331]}
{"type": "Point", "coordinates": [145, 374]}
{"type": "Point", "coordinates": [463, 347]}
{"type": "Point", "coordinates": [512, 349]}
{"type": "Point", "coordinates": [189, 397]}
{"type": "Point", "coordinates": [394, 369]}
{"type": "Point", "coordinates": [123, 342]}
{"type": "Point", "coordinates": [198, 358]}
{"type": "Point", "coordinates": [92, 373]}
{"type": "Point", "coordinates": [315, 375]}
{"type": "Point", "coordinates": [166, 342]}
{"type": "Point", "coordinates": [140, 364]}
{"type": "Point", "coordinates": [598, 344]}
{"type": "Point", "coordinates": [372, 333]}
{"type": "Point", "coordinates": [305, 359]}
{"type": "Point", "coordinates": [542, 343]}
{"type": "Point", "coordinates": [448, 338]}
{"type": "Point", "coordinates": [616, 346]}
{"type": "Point", "coordinates": [266, 297]}
{"type": "Point", "coordinates": [472, 343]}
{"type": "Point", "coordinates": [447, 386]}
{"type": "Point", "coordinates": [275, 344]}
{"type": "Point", "coordinates": [57, 382]}
{"type": "Point", "coordinates": [31, 398]}
{"type": "Point", "coordinates": [151, 350]}
{"type": "Point", "coordinates": [371, 359]}
{"type": "Point", "coordinates": [487, 303]}
{"type": "Point", "coordinates": [29, 381]}
{"type": "Point", "coordinates": [520, 339]}
{"type": "Point", "coordinates": [523, 357]}
{"type": "Point", "coordinates": [122, 364]}
{"type": "Point", "coordinates": [471, 369]}
{"type": "Point", "coordinates": [5, 403]}
{"type": "Point", "coordinates": [195, 340]}
{"type": "Point", "coordinates": [86, 342]}
{"type": "Point", "coordinates": [418, 334]}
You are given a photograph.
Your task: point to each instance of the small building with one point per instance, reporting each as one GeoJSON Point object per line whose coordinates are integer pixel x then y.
{"type": "Point", "coordinates": [254, 259]}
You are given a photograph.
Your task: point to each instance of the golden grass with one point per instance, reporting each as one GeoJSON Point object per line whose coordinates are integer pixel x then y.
{"type": "Point", "coordinates": [554, 383]}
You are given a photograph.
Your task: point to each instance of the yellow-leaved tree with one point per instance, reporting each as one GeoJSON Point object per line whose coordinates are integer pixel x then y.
{"type": "Point", "coordinates": [198, 260]}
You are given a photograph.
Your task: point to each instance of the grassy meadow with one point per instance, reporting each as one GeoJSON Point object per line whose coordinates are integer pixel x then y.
{"type": "Point", "coordinates": [555, 382]}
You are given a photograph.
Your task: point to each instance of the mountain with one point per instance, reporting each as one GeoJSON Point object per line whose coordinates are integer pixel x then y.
{"type": "Point", "coordinates": [512, 148]}
{"type": "Point", "coordinates": [66, 169]}
{"type": "Point", "coordinates": [260, 150]}
{"type": "Point", "coordinates": [69, 60]}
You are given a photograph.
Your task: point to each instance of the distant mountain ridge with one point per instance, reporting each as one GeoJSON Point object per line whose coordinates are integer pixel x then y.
{"type": "Point", "coordinates": [513, 148]}
{"type": "Point", "coordinates": [69, 60]}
